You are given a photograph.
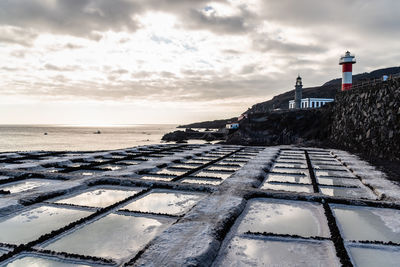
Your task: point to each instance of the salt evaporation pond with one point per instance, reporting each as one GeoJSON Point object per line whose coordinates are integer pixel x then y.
{"type": "Point", "coordinates": [290, 165]}
{"type": "Point", "coordinates": [270, 252]}
{"type": "Point", "coordinates": [202, 181]}
{"type": "Point", "coordinates": [364, 223]}
{"type": "Point", "coordinates": [113, 236]}
{"type": "Point", "coordinates": [187, 166]}
{"type": "Point", "coordinates": [373, 255]}
{"type": "Point", "coordinates": [171, 172]}
{"type": "Point", "coordinates": [31, 224]}
{"type": "Point", "coordinates": [288, 187]}
{"type": "Point", "coordinates": [23, 186]}
{"type": "Point", "coordinates": [212, 174]}
{"type": "Point", "coordinates": [164, 201]}
{"type": "Point", "coordinates": [3, 251]}
{"type": "Point", "coordinates": [285, 217]}
{"type": "Point", "coordinates": [225, 168]}
{"type": "Point", "coordinates": [273, 177]}
{"type": "Point", "coordinates": [99, 197]}
{"type": "Point", "coordinates": [324, 173]}
{"type": "Point", "coordinates": [363, 192]}
{"type": "Point", "coordinates": [339, 181]}
{"type": "Point", "coordinates": [290, 171]}
{"type": "Point", "coordinates": [2, 177]}
{"type": "Point", "coordinates": [34, 261]}
{"type": "Point", "coordinates": [157, 178]}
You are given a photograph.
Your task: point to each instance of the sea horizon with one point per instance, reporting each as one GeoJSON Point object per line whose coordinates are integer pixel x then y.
{"type": "Point", "coordinates": [74, 137]}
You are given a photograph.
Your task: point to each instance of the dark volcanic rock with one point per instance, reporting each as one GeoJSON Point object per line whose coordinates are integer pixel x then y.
{"type": "Point", "coordinates": [177, 136]}
{"type": "Point", "coordinates": [367, 120]}
{"type": "Point", "coordinates": [182, 136]}
{"type": "Point", "coordinates": [285, 127]}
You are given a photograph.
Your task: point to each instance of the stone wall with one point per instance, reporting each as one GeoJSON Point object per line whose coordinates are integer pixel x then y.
{"type": "Point", "coordinates": [367, 120]}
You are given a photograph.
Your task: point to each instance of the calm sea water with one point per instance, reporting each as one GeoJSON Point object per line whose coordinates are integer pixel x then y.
{"type": "Point", "coordinates": [77, 138]}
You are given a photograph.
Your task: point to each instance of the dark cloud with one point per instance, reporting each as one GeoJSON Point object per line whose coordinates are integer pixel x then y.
{"type": "Point", "coordinates": [266, 45]}
{"type": "Point", "coordinates": [73, 17]}
{"type": "Point", "coordinates": [339, 17]}
{"type": "Point", "coordinates": [219, 24]}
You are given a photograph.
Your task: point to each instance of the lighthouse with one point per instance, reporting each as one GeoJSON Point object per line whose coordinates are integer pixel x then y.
{"type": "Point", "coordinates": [347, 62]}
{"type": "Point", "coordinates": [298, 92]}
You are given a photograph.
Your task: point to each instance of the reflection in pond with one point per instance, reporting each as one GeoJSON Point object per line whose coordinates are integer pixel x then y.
{"type": "Point", "coordinates": [202, 181]}
{"type": "Point", "coordinates": [31, 224]}
{"type": "Point", "coordinates": [363, 192]}
{"type": "Point", "coordinates": [269, 252]}
{"type": "Point", "coordinates": [22, 186]}
{"type": "Point", "coordinates": [171, 172]}
{"type": "Point", "coordinates": [35, 261]}
{"type": "Point", "coordinates": [290, 171]}
{"type": "Point", "coordinates": [285, 217]}
{"type": "Point", "coordinates": [224, 168]}
{"type": "Point", "coordinates": [2, 177]}
{"type": "Point", "coordinates": [129, 235]}
{"type": "Point", "coordinates": [324, 173]}
{"type": "Point", "coordinates": [212, 174]}
{"type": "Point", "coordinates": [99, 197]}
{"type": "Point", "coordinates": [290, 165]}
{"type": "Point", "coordinates": [272, 177]}
{"type": "Point", "coordinates": [169, 202]}
{"type": "Point", "coordinates": [288, 187]}
{"type": "Point", "coordinates": [362, 223]}
{"type": "Point", "coordinates": [372, 256]}
{"type": "Point", "coordinates": [157, 178]}
{"type": "Point", "coordinates": [339, 181]}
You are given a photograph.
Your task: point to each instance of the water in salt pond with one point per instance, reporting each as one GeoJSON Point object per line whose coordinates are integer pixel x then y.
{"type": "Point", "coordinates": [99, 197]}
{"type": "Point", "coordinates": [31, 224]}
{"type": "Point", "coordinates": [364, 223]}
{"type": "Point", "coordinates": [23, 186]}
{"type": "Point", "coordinates": [34, 261]}
{"type": "Point", "coordinates": [372, 256]}
{"type": "Point", "coordinates": [288, 187]}
{"type": "Point", "coordinates": [264, 252]}
{"type": "Point", "coordinates": [168, 202]}
{"type": "Point", "coordinates": [279, 216]}
{"type": "Point", "coordinates": [129, 235]}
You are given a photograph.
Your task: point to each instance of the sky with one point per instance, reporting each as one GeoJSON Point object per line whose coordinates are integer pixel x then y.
{"type": "Point", "coordinates": [178, 61]}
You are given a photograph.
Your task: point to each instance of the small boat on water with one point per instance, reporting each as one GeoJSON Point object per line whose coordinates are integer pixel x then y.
{"type": "Point", "coordinates": [97, 132]}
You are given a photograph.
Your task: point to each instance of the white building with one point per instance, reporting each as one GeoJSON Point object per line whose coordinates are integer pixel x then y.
{"type": "Point", "coordinates": [311, 102]}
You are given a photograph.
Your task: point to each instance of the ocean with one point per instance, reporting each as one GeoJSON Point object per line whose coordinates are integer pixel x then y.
{"type": "Point", "coordinates": [79, 138]}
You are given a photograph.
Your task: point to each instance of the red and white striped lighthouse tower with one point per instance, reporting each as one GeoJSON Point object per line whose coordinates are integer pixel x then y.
{"type": "Point", "coordinates": [347, 62]}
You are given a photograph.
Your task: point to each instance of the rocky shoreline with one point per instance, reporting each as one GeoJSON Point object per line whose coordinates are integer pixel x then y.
{"type": "Point", "coordinates": [180, 136]}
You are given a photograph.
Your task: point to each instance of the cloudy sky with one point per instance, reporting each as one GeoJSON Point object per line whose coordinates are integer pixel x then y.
{"type": "Point", "coordinates": [176, 61]}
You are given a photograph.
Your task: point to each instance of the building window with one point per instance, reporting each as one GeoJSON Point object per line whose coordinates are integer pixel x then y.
{"type": "Point", "coordinates": [312, 104]}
